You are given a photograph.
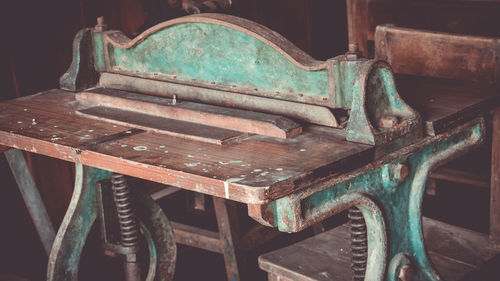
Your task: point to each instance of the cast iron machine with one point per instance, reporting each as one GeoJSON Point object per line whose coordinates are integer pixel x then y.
{"type": "Point", "coordinates": [226, 107]}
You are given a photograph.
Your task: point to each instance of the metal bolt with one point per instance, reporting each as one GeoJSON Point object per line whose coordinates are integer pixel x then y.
{"type": "Point", "coordinates": [405, 273]}
{"type": "Point", "coordinates": [100, 26]}
{"type": "Point", "coordinates": [353, 53]}
{"type": "Point", "coordinates": [401, 172]}
{"type": "Point", "coordinates": [353, 47]}
{"type": "Point", "coordinates": [388, 122]}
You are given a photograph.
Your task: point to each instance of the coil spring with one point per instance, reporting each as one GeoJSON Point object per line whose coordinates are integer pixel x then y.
{"type": "Point", "coordinates": [129, 230]}
{"type": "Point", "coordinates": [359, 244]}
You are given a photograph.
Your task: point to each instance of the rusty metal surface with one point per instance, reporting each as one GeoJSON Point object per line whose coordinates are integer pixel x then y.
{"type": "Point", "coordinates": [389, 192]}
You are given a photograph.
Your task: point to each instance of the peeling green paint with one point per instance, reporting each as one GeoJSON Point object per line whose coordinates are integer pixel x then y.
{"type": "Point", "coordinates": [215, 54]}
{"type": "Point", "coordinates": [397, 192]}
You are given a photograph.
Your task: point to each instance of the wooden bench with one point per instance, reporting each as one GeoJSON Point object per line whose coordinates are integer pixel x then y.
{"type": "Point", "coordinates": [454, 251]}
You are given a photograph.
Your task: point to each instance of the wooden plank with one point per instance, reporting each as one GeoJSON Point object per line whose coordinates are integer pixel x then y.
{"type": "Point", "coordinates": [461, 17]}
{"type": "Point", "coordinates": [3, 148]}
{"type": "Point", "coordinates": [444, 103]}
{"type": "Point", "coordinates": [229, 118]}
{"type": "Point", "coordinates": [458, 176]}
{"type": "Point", "coordinates": [172, 127]}
{"type": "Point", "coordinates": [435, 54]}
{"type": "Point", "coordinates": [254, 170]}
{"type": "Point", "coordinates": [462, 245]}
{"type": "Point", "coordinates": [495, 181]}
{"type": "Point", "coordinates": [454, 251]}
{"type": "Point", "coordinates": [196, 237]}
{"type": "Point", "coordinates": [325, 256]}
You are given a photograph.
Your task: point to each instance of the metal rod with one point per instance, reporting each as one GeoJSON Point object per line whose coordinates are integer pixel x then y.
{"type": "Point", "coordinates": [129, 228]}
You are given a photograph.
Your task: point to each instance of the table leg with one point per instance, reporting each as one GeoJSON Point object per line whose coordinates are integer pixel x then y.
{"type": "Point", "coordinates": [495, 182]}
{"type": "Point", "coordinates": [81, 214]}
{"type": "Point", "coordinates": [227, 222]}
{"type": "Point", "coordinates": [31, 197]}
{"type": "Point", "coordinates": [389, 193]}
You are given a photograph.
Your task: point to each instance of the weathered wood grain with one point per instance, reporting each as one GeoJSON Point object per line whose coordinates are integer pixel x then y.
{"type": "Point", "coordinates": [229, 118]}
{"type": "Point", "coordinates": [437, 54]}
{"type": "Point", "coordinates": [172, 127]}
{"type": "Point", "coordinates": [444, 103]}
{"type": "Point", "coordinates": [454, 252]}
{"type": "Point", "coordinates": [495, 181]}
{"type": "Point", "coordinates": [254, 170]}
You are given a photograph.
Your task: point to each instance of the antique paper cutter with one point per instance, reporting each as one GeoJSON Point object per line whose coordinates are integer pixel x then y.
{"type": "Point", "coordinates": [226, 107]}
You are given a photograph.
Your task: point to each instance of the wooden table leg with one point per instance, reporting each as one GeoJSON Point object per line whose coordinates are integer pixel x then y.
{"type": "Point", "coordinates": [227, 222]}
{"type": "Point", "coordinates": [495, 182]}
{"type": "Point", "coordinates": [31, 197]}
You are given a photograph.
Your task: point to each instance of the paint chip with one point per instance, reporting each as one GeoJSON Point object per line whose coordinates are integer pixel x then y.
{"type": "Point", "coordinates": [124, 145]}
{"type": "Point", "coordinates": [279, 169]}
{"type": "Point", "coordinates": [90, 131]}
{"type": "Point", "coordinates": [140, 148]}
{"type": "Point", "coordinates": [19, 122]}
{"type": "Point", "coordinates": [257, 170]}
{"type": "Point", "coordinates": [302, 150]}
{"type": "Point", "coordinates": [190, 156]}
{"type": "Point", "coordinates": [192, 164]}
{"type": "Point", "coordinates": [162, 146]}
{"type": "Point", "coordinates": [128, 132]}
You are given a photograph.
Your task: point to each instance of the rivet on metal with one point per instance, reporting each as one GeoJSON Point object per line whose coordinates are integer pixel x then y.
{"type": "Point", "coordinates": [405, 273]}
{"type": "Point", "coordinates": [353, 53]}
{"type": "Point", "coordinates": [401, 172]}
{"type": "Point", "coordinates": [100, 26]}
{"type": "Point", "coordinates": [388, 122]}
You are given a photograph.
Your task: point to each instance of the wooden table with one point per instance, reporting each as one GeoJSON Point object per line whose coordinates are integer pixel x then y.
{"type": "Point", "coordinates": [288, 183]}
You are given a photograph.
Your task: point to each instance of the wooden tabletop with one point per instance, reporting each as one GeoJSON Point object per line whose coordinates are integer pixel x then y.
{"type": "Point", "coordinates": [254, 169]}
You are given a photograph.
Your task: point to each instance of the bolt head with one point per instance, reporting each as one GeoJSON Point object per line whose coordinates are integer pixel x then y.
{"type": "Point", "coordinates": [405, 273]}
{"type": "Point", "coordinates": [388, 122]}
{"type": "Point", "coordinates": [402, 171]}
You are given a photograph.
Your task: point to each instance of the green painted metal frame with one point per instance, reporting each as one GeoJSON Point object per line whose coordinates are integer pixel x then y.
{"type": "Point", "coordinates": [389, 192]}
{"type": "Point", "coordinates": [82, 213]}
{"type": "Point", "coordinates": [237, 56]}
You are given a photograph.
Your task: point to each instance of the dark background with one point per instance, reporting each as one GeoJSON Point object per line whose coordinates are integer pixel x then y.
{"type": "Point", "coordinates": [36, 49]}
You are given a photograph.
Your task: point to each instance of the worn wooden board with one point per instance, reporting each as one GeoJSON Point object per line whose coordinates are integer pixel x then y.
{"type": "Point", "coordinates": [444, 103]}
{"type": "Point", "coordinates": [254, 170]}
{"type": "Point", "coordinates": [211, 115]}
{"type": "Point", "coordinates": [172, 127]}
{"type": "Point", "coordinates": [495, 181]}
{"type": "Point", "coordinates": [326, 256]}
{"type": "Point", "coordinates": [454, 252]}
{"type": "Point", "coordinates": [437, 54]}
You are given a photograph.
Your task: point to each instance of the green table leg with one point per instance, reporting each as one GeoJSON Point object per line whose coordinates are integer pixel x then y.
{"type": "Point", "coordinates": [81, 214]}
{"type": "Point", "coordinates": [389, 192]}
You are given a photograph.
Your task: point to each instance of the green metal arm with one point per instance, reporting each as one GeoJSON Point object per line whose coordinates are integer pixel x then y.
{"type": "Point", "coordinates": [389, 193]}
{"type": "Point", "coordinates": [239, 57]}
